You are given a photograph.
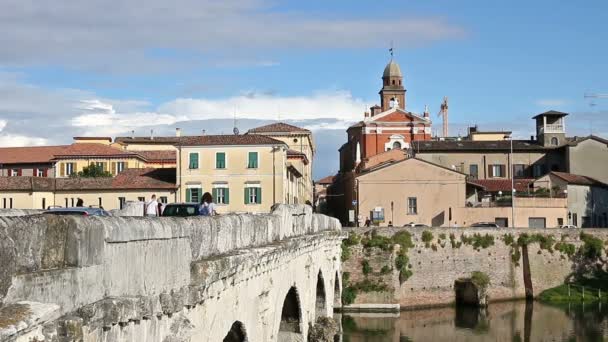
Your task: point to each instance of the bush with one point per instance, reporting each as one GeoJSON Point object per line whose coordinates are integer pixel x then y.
{"type": "Point", "coordinates": [508, 239]}
{"type": "Point", "coordinates": [478, 241]}
{"type": "Point", "coordinates": [345, 252]}
{"type": "Point", "coordinates": [566, 248]}
{"type": "Point", "coordinates": [403, 239]}
{"type": "Point", "coordinates": [516, 255]}
{"type": "Point", "coordinates": [365, 267]}
{"type": "Point", "coordinates": [442, 236]}
{"type": "Point", "coordinates": [480, 279]}
{"type": "Point", "coordinates": [349, 294]}
{"type": "Point", "coordinates": [377, 241]}
{"type": "Point", "coordinates": [385, 269]}
{"type": "Point", "coordinates": [592, 248]}
{"type": "Point", "coordinates": [427, 237]}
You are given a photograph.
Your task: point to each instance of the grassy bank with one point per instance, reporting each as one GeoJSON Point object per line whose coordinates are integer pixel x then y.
{"type": "Point", "coordinates": [561, 294]}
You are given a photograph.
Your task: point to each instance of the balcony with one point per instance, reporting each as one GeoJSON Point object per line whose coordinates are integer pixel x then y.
{"type": "Point", "coordinates": [551, 128]}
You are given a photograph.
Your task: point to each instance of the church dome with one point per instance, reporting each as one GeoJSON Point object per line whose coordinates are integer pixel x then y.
{"type": "Point", "coordinates": [392, 70]}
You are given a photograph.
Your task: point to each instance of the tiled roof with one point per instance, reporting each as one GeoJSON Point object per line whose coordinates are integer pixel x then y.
{"type": "Point", "coordinates": [92, 149]}
{"type": "Point", "coordinates": [159, 156]}
{"type": "Point", "coordinates": [129, 179]}
{"type": "Point", "coordinates": [550, 113]}
{"type": "Point", "coordinates": [326, 180]}
{"type": "Point", "coordinates": [278, 127]}
{"type": "Point", "coordinates": [575, 140]}
{"type": "Point", "coordinates": [577, 179]}
{"type": "Point", "coordinates": [147, 140]}
{"type": "Point", "coordinates": [29, 155]}
{"type": "Point", "coordinates": [245, 139]}
{"type": "Point", "coordinates": [504, 185]}
{"type": "Point", "coordinates": [468, 145]}
{"type": "Point", "coordinates": [291, 152]}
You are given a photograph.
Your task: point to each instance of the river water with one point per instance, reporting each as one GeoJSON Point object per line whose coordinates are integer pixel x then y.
{"type": "Point", "coordinates": [508, 321]}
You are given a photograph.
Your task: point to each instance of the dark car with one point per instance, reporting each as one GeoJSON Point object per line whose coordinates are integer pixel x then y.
{"type": "Point", "coordinates": [485, 225]}
{"type": "Point", "coordinates": [77, 211]}
{"type": "Point", "coordinates": [181, 210]}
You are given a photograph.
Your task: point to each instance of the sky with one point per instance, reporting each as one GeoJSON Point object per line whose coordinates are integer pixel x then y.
{"type": "Point", "coordinates": [93, 67]}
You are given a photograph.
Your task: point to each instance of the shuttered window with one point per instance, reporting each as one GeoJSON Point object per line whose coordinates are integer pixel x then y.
{"type": "Point", "coordinates": [253, 195]}
{"type": "Point", "coordinates": [193, 194]}
{"type": "Point", "coordinates": [253, 160]}
{"type": "Point", "coordinates": [496, 171]}
{"type": "Point", "coordinates": [221, 195]}
{"type": "Point", "coordinates": [220, 160]}
{"type": "Point", "coordinates": [193, 163]}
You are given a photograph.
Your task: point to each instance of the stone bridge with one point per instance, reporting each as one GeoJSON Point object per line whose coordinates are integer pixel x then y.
{"type": "Point", "coordinates": [225, 278]}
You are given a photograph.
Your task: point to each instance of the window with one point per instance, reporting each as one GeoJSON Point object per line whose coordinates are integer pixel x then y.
{"type": "Point", "coordinates": [193, 163]}
{"type": "Point", "coordinates": [554, 141]}
{"type": "Point", "coordinates": [10, 202]}
{"type": "Point", "coordinates": [220, 160]}
{"type": "Point", "coordinates": [40, 173]}
{"type": "Point", "coordinates": [66, 202]}
{"type": "Point", "coordinates": [473, 171]}
{"type": "Point", "coordinates": [560, 221]}
{"type": "Point", "coordinates": [501, 222]}
{"type": "Point", "coordinates": [120, 167]}
{"type": "Point", "coordinates": [412, 206]}
{"type": "Point", "coordinates": [163, 199]}
{"type": "Point", "coordinates": [15, 172]}
{"type": "Point", "coordinates": [496, 171]}
{"type": "Point", "coordinates": [221, 195]}
{"type": "Point", "coordinates": [253, 195]}
{"type": "Point", "coordinates": [538, 170]}
{"type": "Point", "coordinates": [4, 203]}
{"type": "Point", "coordinates": [252, 160]}
{"type": "Point", "coordinates": [396, 145]}
{"type": "Point", "coordinates": [193, 194]}
{"type": "Point", "coordinates": [68, 169]}
{"type": "Point", "coordinates": [537, 222]}
{"type": "Point", "coordinates": [575, 219]}
{"type": "Point", "coordinates": [519, 170]}
{"type": "Point", "coordinates": [141, 199]}
{"type": "Point", "coordinates": [72, 201]}
{"type": "Point", "coordinates": [121, 202]}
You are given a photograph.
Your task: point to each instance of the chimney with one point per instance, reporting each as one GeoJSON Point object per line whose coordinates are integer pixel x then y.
{"type": "Point", "coordinates": [151, 134]}
{"type": "Point", "coordinates": [178, 132]}
{"type": "Point", "coordinates": [426, 111]}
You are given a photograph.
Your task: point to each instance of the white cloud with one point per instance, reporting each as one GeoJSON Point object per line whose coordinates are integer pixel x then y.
{"type": "Point", "coordinates": [12, 140]}
{"type": "Point", "coordinates": [552, 102]}
{"type": "Point", "coordinates": [2, 125]}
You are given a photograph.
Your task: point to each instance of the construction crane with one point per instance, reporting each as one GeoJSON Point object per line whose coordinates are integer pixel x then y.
{"type": "Point", "coordinates": [444, 115]}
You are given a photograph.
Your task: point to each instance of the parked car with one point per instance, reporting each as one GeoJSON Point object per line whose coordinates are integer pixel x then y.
{"type": "Point", "coordinates": [416, 225]}
{"type": "Point", "coordinates": [77, 211]}
{"type": "Point", "coordinates": [181, 209]}
{"type": "Point", "coordinates": [485, 225]}
{"type": "Point", "coordinates": [568, 226]}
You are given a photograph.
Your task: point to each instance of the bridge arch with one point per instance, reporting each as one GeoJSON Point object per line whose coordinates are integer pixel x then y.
{"type": "Point", "coordinates": [321, 297]}
{"type": "Point", "coordinates": [290, 327]}
{"type": "Point", "coordinates": [237, 333]}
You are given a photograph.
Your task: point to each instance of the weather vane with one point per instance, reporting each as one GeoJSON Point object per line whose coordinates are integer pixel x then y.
{"type": "Point", "coordinates": [391, 50]}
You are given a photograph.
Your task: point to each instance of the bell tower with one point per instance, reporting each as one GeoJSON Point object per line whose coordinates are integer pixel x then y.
{"type": "Point", "coordinates": [392, 93]}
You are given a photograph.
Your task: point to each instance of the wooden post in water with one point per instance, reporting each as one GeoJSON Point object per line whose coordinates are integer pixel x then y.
{"type": "Point", "coordinates": [583, 293]}
{"type": "Point", "coordinates": [568, 290]}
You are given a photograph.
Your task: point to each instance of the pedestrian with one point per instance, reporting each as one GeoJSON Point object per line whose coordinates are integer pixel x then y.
{"type": "Point", "coordinates": [160, 209]}
{"type": "Point", "coordinates": [368, 223]}
{"type": "Point", "coordinates": [152, 207]}
{"type": "Point", "coordinates": [79, 202]}
{"type": "Point", "coordinates": [207, 207]}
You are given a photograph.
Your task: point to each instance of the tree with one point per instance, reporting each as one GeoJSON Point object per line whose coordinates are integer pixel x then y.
{"type": "Point", "coordinates": [92, 171]}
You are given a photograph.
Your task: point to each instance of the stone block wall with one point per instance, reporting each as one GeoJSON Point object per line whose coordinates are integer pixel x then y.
{"type": "Point", "coordinates": [437, 264]}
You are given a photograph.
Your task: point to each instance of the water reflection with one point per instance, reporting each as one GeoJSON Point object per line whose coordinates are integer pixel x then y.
{"type": "Point", "coordinates": [511, 321]}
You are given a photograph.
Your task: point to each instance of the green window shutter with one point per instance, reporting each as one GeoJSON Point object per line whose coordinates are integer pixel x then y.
{"type": "Point", "coordinates": [253, 160]}
{"type": "Point", "coordinates": [258, 195]}
{"type": "Point", "coordinates": [220, 160]}
{"type": "Point", "coordinates": [194, 160]}
{"type": "Point", "coordinates": [226, 196]}
{"type": "Point", "coordinates": [188, 195]}
{"type": "Point", "coordinates": [214, 195]}
{"type": "Point", "coordinates": [246, 195]}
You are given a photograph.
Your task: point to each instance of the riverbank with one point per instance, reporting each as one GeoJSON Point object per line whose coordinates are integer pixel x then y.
{"type": "Point", "coordinates": [584, 290]}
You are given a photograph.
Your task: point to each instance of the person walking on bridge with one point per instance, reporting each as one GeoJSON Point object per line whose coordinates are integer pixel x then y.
{"type": "Point", "coordinates": [152, 207]}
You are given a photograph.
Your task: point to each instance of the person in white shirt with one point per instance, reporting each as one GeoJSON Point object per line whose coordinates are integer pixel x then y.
{"type": "Point", "coordinates": [152, 207]}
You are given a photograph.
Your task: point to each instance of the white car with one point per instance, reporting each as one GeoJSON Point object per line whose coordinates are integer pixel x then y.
{"type": "Point", "coordinates": [416, 225]}
{"type": "Point", "coordinates": [568, 226]}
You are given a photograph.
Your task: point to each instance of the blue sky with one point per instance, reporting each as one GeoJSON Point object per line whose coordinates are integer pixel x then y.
{"type": "Point", "coordinates": [91, 68]}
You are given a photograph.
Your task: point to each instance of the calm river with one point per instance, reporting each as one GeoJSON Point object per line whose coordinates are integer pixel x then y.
{"type": "Point", "coordinates": [509, 321]}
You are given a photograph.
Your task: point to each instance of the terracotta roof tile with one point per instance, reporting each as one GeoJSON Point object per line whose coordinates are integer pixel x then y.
{"type": "Point", "coordinates": [278, 127]}
{"type": "Point", "coordinates": [577, 179]}
{"type": "Point", "coordinates": [245, 139]}
{"type": "Point", "coordinates": [326, 180]}
{"type": "Point", "coordinates": [147, 140]}
{"type": "Point", "coordinates": [29, 155]}
{"type": "Point", "coordinates": [162, 156]}
{"type": "Point", "coordinates": [504, 185]}
{"type": "Point", "coordinates": [92, 149]}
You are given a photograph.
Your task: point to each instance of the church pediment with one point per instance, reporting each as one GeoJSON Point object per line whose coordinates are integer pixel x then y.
{"type": "Point", "coordinates": [397, 115]}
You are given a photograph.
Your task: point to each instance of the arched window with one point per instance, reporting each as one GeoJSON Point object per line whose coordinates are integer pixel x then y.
{"type": "Point", "coordinates": [320, 306]}
{"type": "Point", "coordinates": [337, 296]}
{"type": "Point", "coordinates": [290, 316]}
{"type": "Point", "coordinates": [554, 141]}
{"type": "Point", "coordinates": [399, 82]}
{"type": "Point", "coordinates": [396, 145]}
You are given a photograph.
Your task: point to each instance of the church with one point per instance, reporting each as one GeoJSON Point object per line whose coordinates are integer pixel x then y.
{"type": "Point", "coordinates": [387, 126]}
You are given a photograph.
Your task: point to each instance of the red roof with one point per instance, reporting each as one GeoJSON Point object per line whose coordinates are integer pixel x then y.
{"type": "Point", "coordinates": [29, 155]}
{"type": "Point", "coordinates": [92, 149]}
{"type": "Point", "coordinates": [129, 179]}
{"type": "Point", "coordinates": [326, 180]}
{"type": "Point", "coordinates": [495, 185]}
{"type": "Point", "coordinates": [159, 156]}
{"type": "Point", "coordinates": [278, 127]}
{"type": "Point", "coordinates": [577, 179]}
{"type": "Point", "coordinates": [245, 139]}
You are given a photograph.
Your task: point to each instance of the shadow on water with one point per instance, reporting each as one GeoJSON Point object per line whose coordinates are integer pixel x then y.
{"type": "Point", "coordinates": [510, 321]}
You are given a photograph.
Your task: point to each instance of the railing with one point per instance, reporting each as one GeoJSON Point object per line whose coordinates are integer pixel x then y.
{"type": "Point", "coordinates": [552, 128]}
{"type": "Point", "coordinates": [591, 292]}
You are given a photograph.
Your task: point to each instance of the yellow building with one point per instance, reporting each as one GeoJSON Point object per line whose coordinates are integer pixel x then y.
{"type": "Point", "coordinates": [244, 173]}
{"type": "Point", "coordinates": [300, 142]}
{"type": "Point", "coordinates": [106, 192]}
